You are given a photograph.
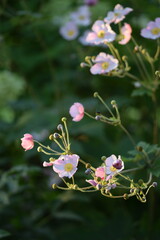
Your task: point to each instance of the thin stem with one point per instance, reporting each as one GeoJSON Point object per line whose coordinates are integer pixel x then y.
{"type": "Point", "coordinates": [59, 145]}
{"type": "Point", "coordinates": [132, 170]}
{"type": "Point", "coordinates": [47, 147]}
{"type": "Point", "coordinates": [89, 115]}
{"type": "Point", "coordinates": [106, 106]}
{"type": "Point", "coordinates": [128, 134]}
{"type": "Point", "coordinates": [68, 143]}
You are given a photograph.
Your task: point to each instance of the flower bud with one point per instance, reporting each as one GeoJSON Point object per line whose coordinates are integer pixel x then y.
{"type": "Point", "coordinates": [103, 158]}
{"type": "Point", "coordinates": [75, 187]}
{"type": "Point", "coordinates": [95, 94]}
{"type": "Point", "coordinates": [140, 182]}
{"type": "Point", "coordinates": [82, 65]}
{"type": "Point", "coordinates": [59, 127]}
{"type": "Point", "coordinates": [56, 135]}
{"type": "Point", "coordinates": [154, 184]}
{"type": "Point", "coordinates": [64, 119]}
{"type": "Point", "coordinates": [51, 159]}
{"type": "Point", "coordinates": [98, 117]}
{"type": "Point", "coordinates": [98, 186]}
{"type": "Point", "coordinates": [51, 137]}
{"type": "Point", "coordinates": [88, 171]}
{"type": "Point", "coordinates": [54, 186]}
{"type": "Point", "coordinates": [125, 196]}
{"type": "Point", "coordinates": [139, 148]}
{"type": "Point", "coordinates": [39, 149]}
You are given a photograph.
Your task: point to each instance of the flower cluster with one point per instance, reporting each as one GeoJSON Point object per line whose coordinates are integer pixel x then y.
{"type": "Point", "coordinates": [110, 174]}
{"type": "Point", "coordinates": [80, 17]}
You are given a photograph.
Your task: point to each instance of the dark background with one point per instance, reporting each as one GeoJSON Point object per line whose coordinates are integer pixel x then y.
{"type": "Point", "coordinates": [40, 78]}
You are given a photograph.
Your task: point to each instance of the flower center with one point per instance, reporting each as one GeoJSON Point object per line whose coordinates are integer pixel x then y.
{"type": "Point", "coordinates": [105, 65]}
{"type": "Point", "coordinates": [113, 169]}
{"type": "Point", "coordinates": [155, 31]}
{"type": "Point", "coordinates": [101, 34]}
{"type": "Point", "coordinates": [116, 14]}
{"type": "Point", "coordinates": [81, 17]}
{"type": "Point", "coordinates": [70, 33]}
{"type": "Point", "coordinates": [68, 167]}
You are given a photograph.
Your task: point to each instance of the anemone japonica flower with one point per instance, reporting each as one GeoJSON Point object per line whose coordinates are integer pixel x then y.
{"type": "Point", "coordinates": [27, 141]}
{"type": "Point", "coordinates": [100, 172]}
{"type": "Point", "coordinates": [66, 165]}
{"type": "Point", "coordinates": [101, 33]}
{"type": "Point", "coordinates": [81, 16]}
{"type": "Point", "coordinates": [126, 31]}
{"type": "Point", "coordinates": [90, 2]}
{"type": "Point", "coordinates": [82, 39]}
{"type": "Point", "coordinates": [69, 31]}
{"type": "Point", "coordinates": [152, 30]}
{"type": "Point", "coordinates": [117, 15]}
{"type": "Point", "coordinates": [113, 165]}
{"type": "Point", "coordinates": [77, 111]}
{"type": "Point", "coordinates": [104, 63]}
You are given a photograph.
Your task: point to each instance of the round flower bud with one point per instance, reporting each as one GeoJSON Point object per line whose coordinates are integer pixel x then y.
{"type": "Point", "coordinates": [51, 137]}
{"type": "Point", "coordinates": [39, 149]}
{"type": "Point", "coordinates": [59, 127]}
{"type": "Point", "coordinates": [103, 158]}
{"type": "Point", "coordinates": [154, 184]}
{"type": "Point", "coordinates": [95, 94]}
{"type": "Point", "coordinates": [88, 171]}
{"type": "Point", "coordinates": [56, 135]}
{"type": "Point", "coordinates": [98, 186]}
{"type": "Point", "coordinates": [64, 119]}
{"type": "Point", "coordinates": [139, 148]}
{"type": "Point", "coordinates": [125, 196]}
{"type": "Point", "coordinates": [54, 186]}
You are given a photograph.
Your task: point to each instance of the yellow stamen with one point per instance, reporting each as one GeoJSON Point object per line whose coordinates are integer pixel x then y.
{"type": "Point", "coordinates": [68, 167]}
{"type": "Point", "coordinates": [70, 33]}
{"type": "Point", "coordinates": [155, 31]}
{"type": "Point", "coordinates": [101, 34]}
{"type": "Point", "coordinates": [81, 17]}
{"type": "Point", "coordinates": [113, 169]}
{"type": "Point", "coordinates": [105, 65]}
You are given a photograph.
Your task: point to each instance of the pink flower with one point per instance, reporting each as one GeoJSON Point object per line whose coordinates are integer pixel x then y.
{"type": "Point", "coordinates": [69, 31]}
{"type": "Point", "coordinates": [92, 182]}
{"type": "Point", "coordinates": [90, 2]}
{"type": "Point", "coordinates": [104, 63]}
{"type": "Point", "coordinates": [83, 39]}
{"type": "Point", "coordinates": [66, 165]}
{"type": "Point", "coordinates": [101, 33]}
{"type": "Point", "coordinates": [100, 172]}
{"type": "Point", "coordinates": [126, 31]}
{"type": "Point", "coordinates": [47, 164]}
{"type": "Point", "coordinates": [113, 165]}
{"type": "Point", "coordinates": [152, 30]}
{"type": "Point", "coordinates": [117, 15]}
{"type": "Point", "coordinates": [81, 16]}
{"type": "Point", "coordinates": [27, 141]}
{"type": "Point", "coordinates": [77, 111]}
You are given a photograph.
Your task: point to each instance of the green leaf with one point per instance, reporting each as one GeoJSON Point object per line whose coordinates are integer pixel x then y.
{"type": "Point", "coordinates": [141, 92]}
{"type": "Point", "coordinates": [4, 233]}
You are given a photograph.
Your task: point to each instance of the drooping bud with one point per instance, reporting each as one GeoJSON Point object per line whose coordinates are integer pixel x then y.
{"type": "Point", "coordinates": [39, 149]}
{"type": "Point", "coordinates": [54, 186]}
{"type": "Point", "coordinates": [88, 165]}
{"type": "Point", "coordinates": [125, 196]}
{"type": "Point", "coordinates": [56, 135]}
{"type": "Point", "coordinates": [88, 171]}
{"type": "Point", "coordinates": [95, 94]}
{"type": "Point", "coordinates": [154, 184]}
{"type": "Point", "coordinates": [59, 127]}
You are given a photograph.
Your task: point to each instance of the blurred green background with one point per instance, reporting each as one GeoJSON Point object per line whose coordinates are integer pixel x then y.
{"type": "Point", "coordinates": [40, 78]}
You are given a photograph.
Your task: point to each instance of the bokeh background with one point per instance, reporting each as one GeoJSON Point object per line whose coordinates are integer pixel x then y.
{"type": "Point", "coordinates": [40, 78]}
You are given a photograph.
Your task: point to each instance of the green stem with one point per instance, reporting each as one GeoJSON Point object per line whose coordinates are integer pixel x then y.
{"type": "Point", "coordinates": [89, 115]}
{"type": "Point", "coordinates": [128, 134]}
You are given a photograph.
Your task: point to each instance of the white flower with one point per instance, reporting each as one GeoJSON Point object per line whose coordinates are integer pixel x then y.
{"type": "Point", "coordinates": [69, 31]}
{"type": "Point", "coordinates": [81, 16]}
{"type": "Point", "coordinates": [117, 15]}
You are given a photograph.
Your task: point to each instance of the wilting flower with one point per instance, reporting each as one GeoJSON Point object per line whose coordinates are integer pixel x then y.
{"type": "Point", "coordinates": [66, 165]}
{"type": "Point", "coordinates": [27, 141]}
{"type": "Point", "coordinates": [81, 16]}
{"type": "Point", "coordinates": [113, 165]}
{"type": "Point", "coordinates": [69, 31]}
{"type": "Point", "coordinates": [47, 164]}
{"type": "Point", "coordinates": [104, 63]}
{"type": "Point", "coordinates": [152, 30]}
{"type": "Point", "coordinates": [77, 111]}
{"type": "Point", "coordinates": [101, 33]}
{"type": "Point", "coordinates": [118, 14]}
{"type": "Point", "coordinates": [126, 31]}
{"type": "Point", "coordinates": [90, 2]}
